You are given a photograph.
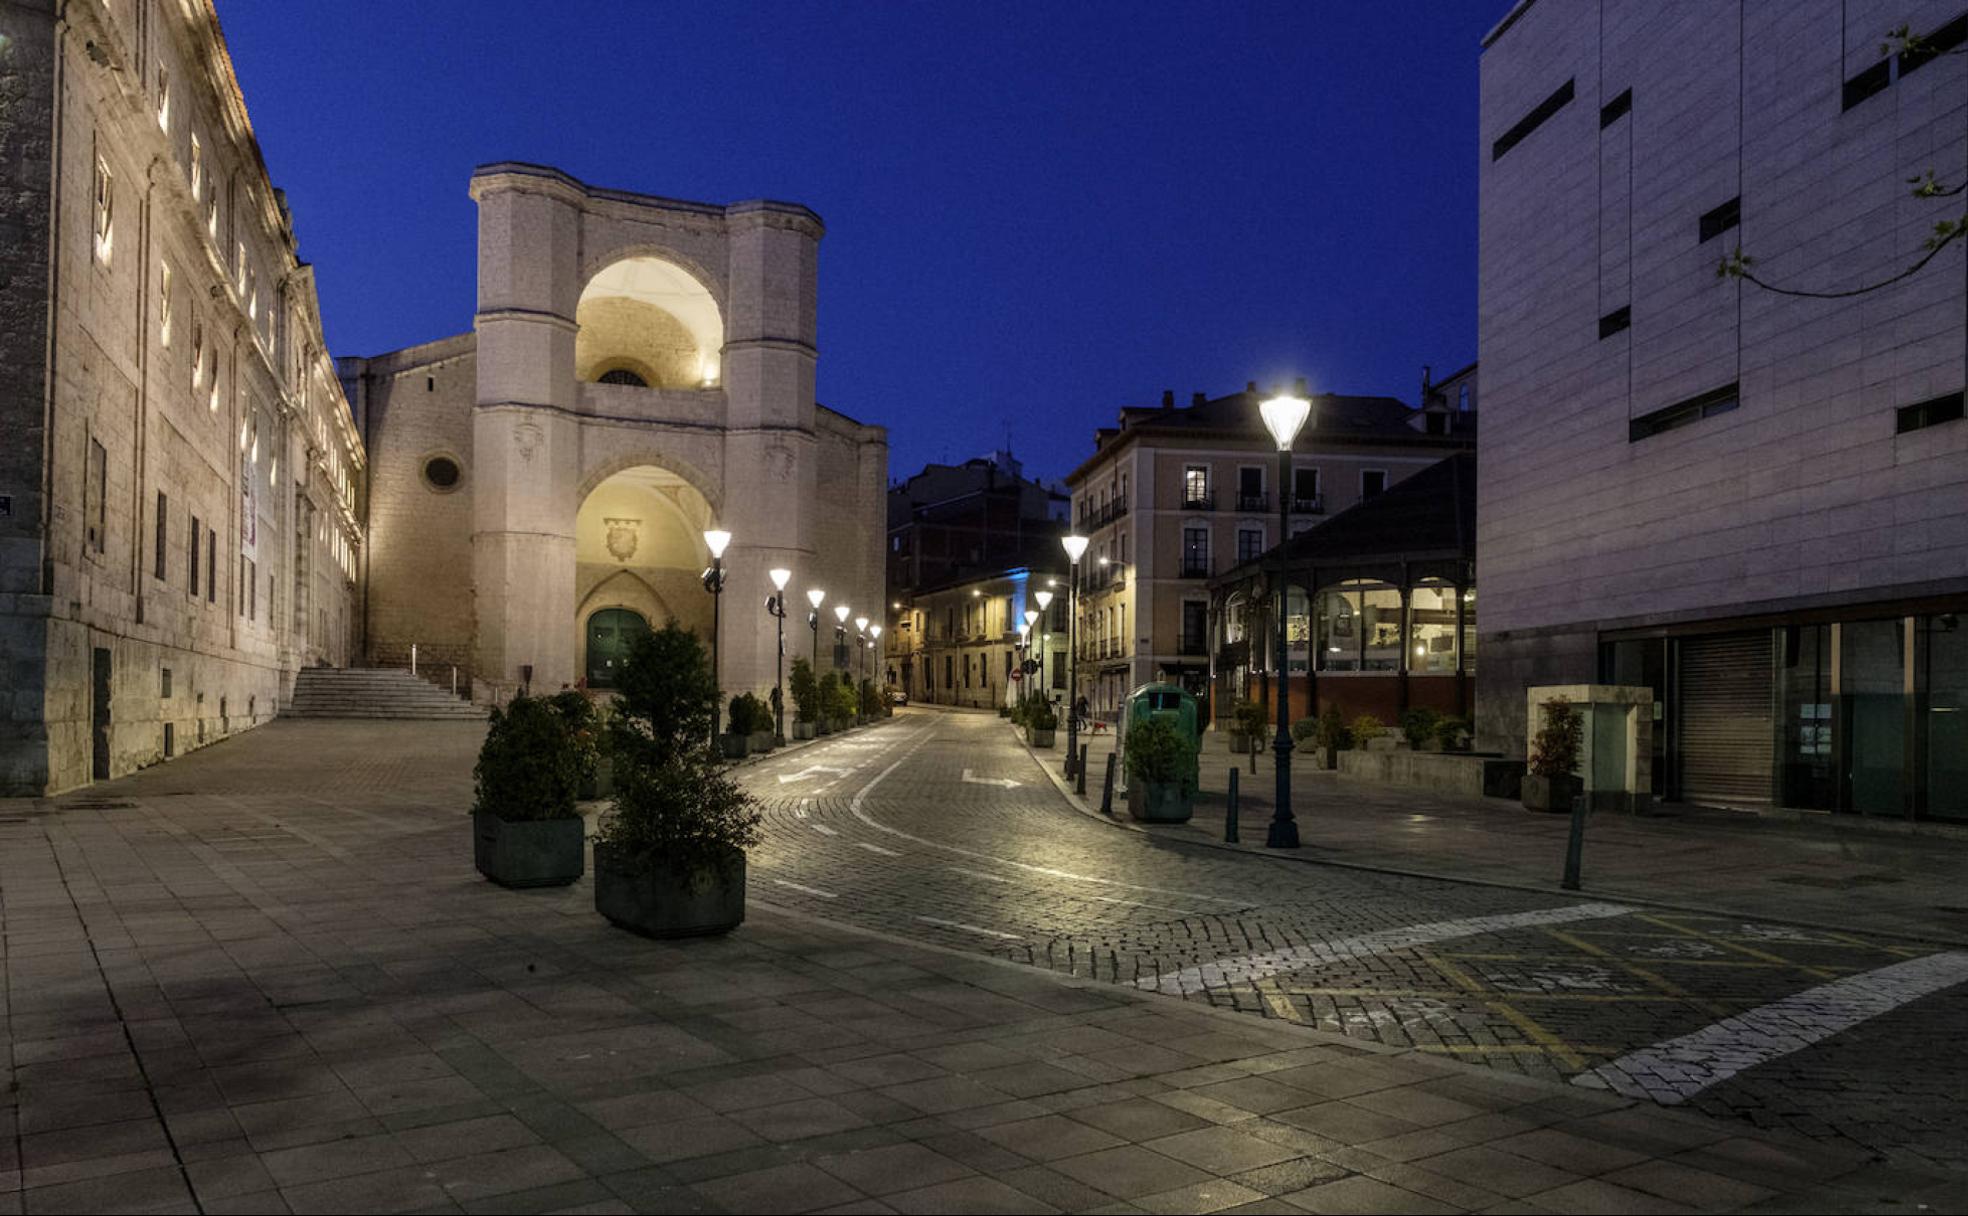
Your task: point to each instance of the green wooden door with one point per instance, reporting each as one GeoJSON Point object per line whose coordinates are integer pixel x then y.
{"type": "Point", "coordinates": [611, 632]}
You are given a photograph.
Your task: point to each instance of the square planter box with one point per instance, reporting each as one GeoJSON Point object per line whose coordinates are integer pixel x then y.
{"type": "Point", "coordinates": [1551, 794]}
{"type": "Point", "coordinates": [1040, 738]}
{"type": "Point", "coordinates": [528, 852]}
{"type": "Point", "coordinates": [736, 747]}
{"type": "Point", "coordinates": [803, 730]}
{"type": "Point", "coordinates": [823, 727]}
{"type": "Point", "coordinates": [761, 742]}
{"type": "Point", "coordinates": [1241, 745]}
{"type": "Point", "coordinates": [1154, 802]}
{"type": "Point", "coordinates": [667, 903]}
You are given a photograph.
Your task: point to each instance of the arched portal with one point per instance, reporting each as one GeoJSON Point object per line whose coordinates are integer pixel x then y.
{"type": "Point", "coordinates": [647, 321]}
{"type": "Point", "coordinates": [639, 552]}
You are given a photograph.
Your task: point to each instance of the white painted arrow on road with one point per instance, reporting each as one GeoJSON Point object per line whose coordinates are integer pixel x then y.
{"type": "Point", "coordinates": [1003, 782]}
{"type": "Point", "coordinates": [808, 771]}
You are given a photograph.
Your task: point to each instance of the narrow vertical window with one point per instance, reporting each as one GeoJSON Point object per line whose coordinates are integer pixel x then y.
{"type": "Point", "coordinates": [161, 545]}
{"type": "Point", "coordinates": [163, 98]}
{"type": "Point", "coordinates": [197, 169]}
{"type": "Point", "coordinates": [105, 229]}
{"type": "Point", "coordinates": [95, 509]}
{"type": "Point", "coordinates": [1372, 482]}
{"type": "Point", "coordinates": [197, 352]}
{"type": "Point", "coordinates": [239, 266]}
{"type": "Point", "coordinates": [164, 303]}
{"type": "Point", "coordinates": [211, 565]}
{"type": "Point", "coordinates": [197, 535]}
{"type": "Point", "coordinates": [212, 213]}
{"type": "Point", "coordinates": [212, 398]}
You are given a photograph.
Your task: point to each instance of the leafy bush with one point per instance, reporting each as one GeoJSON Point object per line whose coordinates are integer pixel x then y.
{"type": "Point", "coordinates": [1248, 718]}
{"type": "Point", "coordinates": [674, 807]}
{"type": "Point", "coordinates": [665, 698]}
{"type": "Point", "coordinates": [1418, 724]}
{"type": "Point", "coordinates": [1039, 715]}
{"type": "Point", "coordinates": [1333, 733]}
{"type": "Point", "coordinates": [1555, 748]}
{"type": "Point", "coordinates": [1156, 752]}
{"type": "Point", "coordinates": [1365, 729]}
{"type": "Point", "coordinates": [844, 703]}
{"type": "Point", "coordinates": [1451, 732]}
{"type": "Point", "coordinates": [1304, 729]}
{"type": "Point", "coordinates": [871, 704]}
{"type": "Point", "coordinates": [586, 729]}
{"type": "Point", "coordinates": [749, 715]}
{"type": "Point", "coordinates": [530, 764]}
{"type": "Point", "coordinates": [805, 690]}
{"type": "Point", "coordinates": [828, 692]}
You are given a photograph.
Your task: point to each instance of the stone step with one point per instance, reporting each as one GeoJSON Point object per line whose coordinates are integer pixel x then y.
{"type": "Point", "coordinates": [324, 692]}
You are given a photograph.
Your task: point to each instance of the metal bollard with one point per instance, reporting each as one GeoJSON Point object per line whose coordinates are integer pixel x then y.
{"type": "Point", "coordinates": [1079, 772]}
{"type": "Point", "coordinates": [1575, 845]}
{"type": "Point", "coordinates": [413, 658]}
{"type": "Point", "coordinates": [1107, 788]}
{"type": "Point", "coordinates": [454, 680]}
{"type": "Point", "coordinates": [1230, 811]}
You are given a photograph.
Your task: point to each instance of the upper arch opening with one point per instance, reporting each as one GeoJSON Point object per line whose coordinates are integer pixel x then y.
{"type": "Point", "coordinates": [649, 318]}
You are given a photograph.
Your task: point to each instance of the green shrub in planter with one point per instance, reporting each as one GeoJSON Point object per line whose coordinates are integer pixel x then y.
{"type": "Point", "coordinates": [669, 859]}
{"type": "Point", "coordinates": [1365, 729]}
{"type": "Point", "coordinates": [1304, 730]}
{"type": "Point", "coordinates": [846, 704]}
{"type": "Point", "coordinates": [1418, 724]}
{"type": "Point", "coordinates": [1040, 722]}
{"type": "Point", "coordinates": [750, 717]}
{"type": "Point", "coordinates": [806, 699]}
{"type": "Point", "coordinates": [829, 690]}
{"type": "Point", "coordinates": [1334, 735]}
{"type": "Point", "coordinates": [1247, 726]}
{"type": "Point", "coordinates": [526, 831]}
{"type": "Point", "coordinates": [871, 699]}
{"type": "Point", "coordinates": [1158, 762]}
{"type": "Point", "coordinates": [1452, 733]}
{"type": "Point", "coordinates": [1549, 782]}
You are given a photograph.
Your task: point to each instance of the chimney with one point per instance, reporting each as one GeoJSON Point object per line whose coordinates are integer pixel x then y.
{"type": "Point", "coordinates": [1198, 398]}
{"type": "Point", "coordinates": [1168, 398]}
{"type": "Point", "coordinates": [1298, 386]}
{"type": "Point", "coordinates": [1250, 386]}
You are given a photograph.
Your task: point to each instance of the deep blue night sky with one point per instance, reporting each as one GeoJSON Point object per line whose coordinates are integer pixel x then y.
{"type": "Point", "coordinates": [1036, 213]}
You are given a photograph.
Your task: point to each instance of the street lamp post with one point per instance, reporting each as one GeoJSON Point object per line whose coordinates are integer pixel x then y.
{"type": "Point", "coordinates": [861, 658]}
{"type": "Point", "coordinates": [840, 635]}
{"type": "Point", "coordinates": [776, 605]}
{"type": "Point", "coordinates": [874, 642]}
{"type": "Point", "coordinates": [1075, 546]}
{"type": "Point", "coordinates": [814, 597]}
{"type": "Point", "coordinates": [1283, 416]}
{"type": "Point", "coordinates": [1044, 599]}
{"type": "Point", "coordinates": [715, 539]}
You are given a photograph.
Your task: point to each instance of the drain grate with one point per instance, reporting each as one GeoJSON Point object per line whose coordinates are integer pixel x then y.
{"type": "Point", "coordinates": [1839, 884]}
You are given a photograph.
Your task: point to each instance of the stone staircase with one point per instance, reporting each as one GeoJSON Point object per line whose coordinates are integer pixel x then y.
{"type": "Point", "coordinates": [373, 692]}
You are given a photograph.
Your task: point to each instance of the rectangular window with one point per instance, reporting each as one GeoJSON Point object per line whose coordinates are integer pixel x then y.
{"type": "Point", "coordinates": [163, 98]}
{"type": "Point", "coordinates": [1868, 83]}
{"type": "Point", "coordinates": [1305, 489]}
{"type": "Point", "coordinates": [1195, 627]}
{"type": "Point", "coordinates": [1372, 482]}
{"type": "Point", "coordinates": [1682, 413]}
{"type": "Point", "coordinates": [164, 304]}
{"type": "Point", "coordinates": [197, 535]}
{"type": "Point", "coordinates": [1615, 321]}
{"type": "Point", "coordinates": [1928, 413]}
{"type": "Point", "coordinates": [1720, 220]}
{"type": "Point", "coordinates": [95, 509]}
{"type": "Point", "coordinates": [1195, 553]}
{"type": "Point", "coordinates": [1932, 46]}
{"type": "Point", "coordinates": [212, 398]}
{"type": "Point", "coordinates": [1532, 121]}
{"type": "Point", "coordinates": [1250, 481]}
{"type": "Point", "coordinates": [197, 352]}
{"type": "Point", "coordinates": [1250, 543]}
{"type": "Point", "coordinates": [197, 169]}
{"type": "Point", "coordinates": [1195, 486]}
{"type": "Point", "coordinates": [253, 593]}
{"type": "Point", "coordinates": [161, 545]}
{"type": "Point", "coordinates": [105, 228]}
{"type": "Point", "coordinates": [1615, 109]}
{"type": "Point", "coordinates": [212, 213]}
{"type": "Point", "coordinates": [211, 565]}
{"type": "Point", "coordinates": [239, 267]}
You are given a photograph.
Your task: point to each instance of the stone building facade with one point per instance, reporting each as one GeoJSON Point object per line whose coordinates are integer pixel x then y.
{"type": "Point", "coordinates": [1749, 500]}
{"type": "Point", "coordinates": [965, 641]}
{"type": "Point", "coordinates": [179, 478]}
{"type": "Point", "coordinates": [1176, 495]}
{"type": "Point", "coordinates": [641, 369]}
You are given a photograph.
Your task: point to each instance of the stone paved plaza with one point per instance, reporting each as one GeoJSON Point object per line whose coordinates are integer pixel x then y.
{"type": "Point", "coordinates": [266, 978]}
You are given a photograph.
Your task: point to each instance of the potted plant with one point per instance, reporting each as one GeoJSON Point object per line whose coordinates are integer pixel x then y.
{"type": "Point", "coordinates": [1452, 734]}
{"type": "Point", "coordinates": [1158, 763]}
{"type": "Point", "coordinates": [1334, 736]}
{"type": "Point", "coordinates": [736, 741]}
{"type": "Point", "coordinates": [1368, 731]}
{"type": "Point", "coordinates": [871, 701]}
{"type": "Point", "coordinates": [828, 691]}
{"type": "Point", "coordinates": [846, 704]}
{"type": "Point", "coordinates": [526, 831]}
{"type": "Point", "coordinates": [806, 699]}
{"type": "Point", "coordinates": [670, 857]}
{"type": "Point", "coordinates": [751, 718]}
{"type": "Point", "coordinates": [1040, 723]}
{"type": "Point", "coordinates": [1418, 724]}
{"type": "Point", "coordinates": [1247, 722]}
{"type": "Point", "coordinates": [1550, 782]}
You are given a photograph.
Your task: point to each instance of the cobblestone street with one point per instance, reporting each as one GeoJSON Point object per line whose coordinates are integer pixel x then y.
{"type": "Point", "coordinates": [265, 977]}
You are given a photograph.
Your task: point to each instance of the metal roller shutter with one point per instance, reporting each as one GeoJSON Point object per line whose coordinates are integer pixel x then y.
{"type": "Point", "coordinates": [1726, 735]}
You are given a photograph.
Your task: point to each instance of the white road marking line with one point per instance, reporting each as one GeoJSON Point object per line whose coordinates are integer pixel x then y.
{"type": "Point", "coordinates": [854, 808]}
{"type": "Point", "coordinates": [1002, 782]}
{"type": "Point", "coordinates": [809, 890]}
{"type": "Point", "coordinates": [808, 771]}
{"type": "Point", "coordinates": [823, 829]}
{"type": "Point", "coordinates": [978, 874]}
{"type": "Point", "coordinates": [957, 924]}
{"type": "Point", "coordinates": [875, 848]}
{"type": "Point", "coordinates": [1678, 1069]}
{"type": "Point", "coordinates": [1246, 967]}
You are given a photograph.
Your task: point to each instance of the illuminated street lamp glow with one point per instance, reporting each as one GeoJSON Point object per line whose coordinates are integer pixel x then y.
{"type": "Point", "coordinates": [840, 613]}
{"type": "Point", "coordinates": [814, 597]}
{"type": "Point", "coordinates": [1283, 416]}
{"type": "Point", "coordinates": [1074, 545]}
{"type": "Point", "coordinates": [861, 623]}
{"type": "Point", "coordinates": [780, 578]}
{"type": "Point", "coordinates": [716, 539]}
{"type": "Point", "coordinates": [1044, 598]}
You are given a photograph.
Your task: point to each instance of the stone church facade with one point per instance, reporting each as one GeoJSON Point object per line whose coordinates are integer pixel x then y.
{"type": "Point", "coordinates": [180, 476]}
{"type": "Point", "coordinates": [641, 370]}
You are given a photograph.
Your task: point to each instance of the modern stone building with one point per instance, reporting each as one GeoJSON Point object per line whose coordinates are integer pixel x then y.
{"type": "Point", "coordinates": [1750, 500]}
{"type": "Point", "coordinates": [1173, 496]}
{"type": "Point", "coordinates": [180, 481]}
{"type": "Point", "coordinates": [641, 369]}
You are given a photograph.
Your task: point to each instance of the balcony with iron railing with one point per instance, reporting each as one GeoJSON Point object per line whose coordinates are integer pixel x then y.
{"type": "Point", "coordinates": [1195, 568]}
{"type": "Point", "coordinates": [1253, 502]}
{"type": "Point", "coordinates": [1198, 502]}
{"type": "Point", "coordinates": [1187, 645]}
{"type": "Point", "coordinates": [1101, 516]}
{"type": "Point", "coordinates": [1314, 505]}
